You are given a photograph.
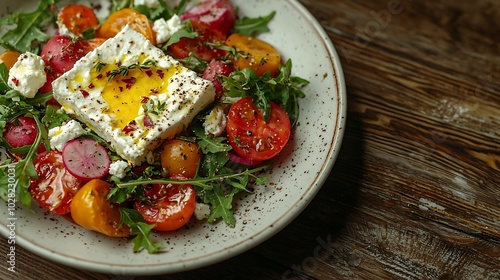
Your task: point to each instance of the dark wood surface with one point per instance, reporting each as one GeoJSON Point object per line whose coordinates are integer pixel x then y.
{"type": "Point", "coordinates": [415, 192]}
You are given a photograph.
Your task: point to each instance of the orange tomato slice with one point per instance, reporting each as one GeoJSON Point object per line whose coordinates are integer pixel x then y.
{"type": "Point", "coordinates": [78, 18]}
{"type": "Point", "coordinates": [260, 56]}
{"type": "Point", "coordinates": [119, 19]}
{"type": "Point", "coordinates": [9, 58]}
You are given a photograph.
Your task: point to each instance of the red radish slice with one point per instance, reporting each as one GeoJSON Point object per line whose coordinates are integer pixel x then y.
{"type": "Point", "coordinates": [245, 161]}
{"type": "Point", "coordinates": [211, 73]}
{"type": "Point", "coordinates": [218, 14]}
{"type": "Point", "coordinates": [22, 132]}
{"type": "Point", "coordinates": [86, 159]}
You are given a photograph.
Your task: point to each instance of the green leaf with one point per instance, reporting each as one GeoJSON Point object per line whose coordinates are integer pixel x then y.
{"type": "Point", "coordinates": [54, 117]}
{"type": "Point", "coordinates": [117, 5]}
{"type": "Point", "coordinates": [253, 26]}
{"type": "Point", "coordinates": [140, 229]}
{"type": "Point", "coordinates": [28, 32]}
{"type": "Point", "coordinates": [4, 77]}
{"type": "Point", "coordinates": [283, 90]}
{"type": "Point", "coordinates": [221, 206]}
{"type": "Point", "coordinates": [212, 163]}
{"type": "Point", "coordinates": [120, 195]}
{"type": "Point", "coordinates": [177, 36]}
{"type": "Point", "coordinates": [208, 144]}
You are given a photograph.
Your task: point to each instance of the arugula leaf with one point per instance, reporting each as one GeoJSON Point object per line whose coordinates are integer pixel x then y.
{"type": "Point", "coordinates": [120, 195]}
{"type": "Point", "coordinates": [222, 205]}
{"type": "Point", "coordinates": [208, 144]}
{"type": "Point", "coordinates": [28, 34]}
{"type": "Point", "coordinates": [25, 170]}
{"type": "Point", "coordinates": [4, 76]}
{"type": "Point", "coordinates": [212, 163]}
{"type": "Point", "coordinates": [138, 227]}
{"type": "Point", "coordinates": [54, 117]}
{"type": "Point", "coordinates": [117, 5]}
{"type": "Point", "coordinates": [253, 26]}
{"type": "Point", "coordinates": [194, 63]}
{"type": "Point", "coordinates": [176, 37]}
{"type": "Point", "coordinates": [284, 89]}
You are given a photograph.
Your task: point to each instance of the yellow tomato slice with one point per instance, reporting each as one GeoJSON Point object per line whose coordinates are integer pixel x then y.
{"type": "Point", "coordinates": [260, 56]}
{"type": "Point", "coordinates": [90, 209]}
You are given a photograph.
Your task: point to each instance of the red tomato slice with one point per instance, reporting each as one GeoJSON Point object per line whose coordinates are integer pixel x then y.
{"type": "Point", "coordinates": [55, 186]}
{"type": "Point", "coordinates": [197, 45]}
{"type": "Point", "coordinates": [249, 134]}
{"type": "Point", "coordinates": [173, 206]}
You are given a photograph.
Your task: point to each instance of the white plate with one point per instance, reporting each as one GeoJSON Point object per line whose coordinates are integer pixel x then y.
{"type": "Point", "coordinates": [294, 181]}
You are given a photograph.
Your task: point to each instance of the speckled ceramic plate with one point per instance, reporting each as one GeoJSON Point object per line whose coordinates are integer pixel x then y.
{"type": "Point", "coordinates": [295, 179]}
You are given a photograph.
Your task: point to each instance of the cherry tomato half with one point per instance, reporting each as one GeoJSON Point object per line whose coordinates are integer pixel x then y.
{"type": "Point", "coordinates": [55, 187]}
{"type": "Point", "coordinates": [173, 206]}
{"type": "Point", "coordinates": [181, 157]}
{"type": "Point", "coordinates": [91, 210]}
{"type": "Point", "coordinates": [198, 45]}
{"type": "Point", "coordinates": [119, 19]}
{"type": "Point", "coordinates": [78, 18]}
{"type": "Point", "coordinates": [250, 136]}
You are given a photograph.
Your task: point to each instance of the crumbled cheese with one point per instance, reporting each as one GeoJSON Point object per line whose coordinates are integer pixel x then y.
{"type": "Point", "coordinates": [165, 29]}
{"type": "Point", "coordinates": [215, 121]}
{"type": "Point", "coordinates": [27, 75]}
{"type": "Point", "coordinates": [64, 30]}
{"type": "Point", "coordinates": [201, 211]}
{"type": "Point", "coordinates": [118, 168]}
{"type": "Point", "coordinates": [114, 108]}
{"type": "Point", "coordinates": [60, 135]}
{"type": "Point", "coordinates": [152, 4]}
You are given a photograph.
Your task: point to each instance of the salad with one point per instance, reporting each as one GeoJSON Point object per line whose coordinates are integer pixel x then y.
{"type": "Point", "coordinates": [140, 120]}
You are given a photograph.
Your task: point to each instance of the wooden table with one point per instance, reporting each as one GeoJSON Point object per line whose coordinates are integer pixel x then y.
{"type": "Point", "coordinates": [415, 192]}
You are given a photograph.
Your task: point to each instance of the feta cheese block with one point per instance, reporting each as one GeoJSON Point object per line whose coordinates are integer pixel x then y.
{"type": "Point", "coordinates": [132, 94]}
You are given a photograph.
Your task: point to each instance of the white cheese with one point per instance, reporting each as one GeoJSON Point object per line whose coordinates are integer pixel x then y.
{"type": "Point", "coordinates": [152, 4]}
{"type": "Point", "coordinates": [60, 135]}
{"type": "Point", "coordinates": [165, 29]}
{"type": "Point", "coordinates": [118, 168]}
{"type": "Point", "coordinates": [215, 121]}
{"type": "Point", "coordinates": [113, 107]}
{"type": "Point", "coordinates": [64, 30]}
{"type": "Point", "coordinates": [27, 75]}
{"type": "Point", "coordinates": [201, 211]}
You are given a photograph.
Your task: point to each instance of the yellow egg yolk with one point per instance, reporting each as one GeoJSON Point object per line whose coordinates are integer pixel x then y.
{"type": "Point", "coordinates": [125, 94]}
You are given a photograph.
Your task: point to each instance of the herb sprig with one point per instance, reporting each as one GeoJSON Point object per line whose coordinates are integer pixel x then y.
{"type": "Point", "coordinates": [284, 89]}
{"type": "Point", "coordinates": [140, 229]}
{"type": "Point", "coordinates": [124, 70]}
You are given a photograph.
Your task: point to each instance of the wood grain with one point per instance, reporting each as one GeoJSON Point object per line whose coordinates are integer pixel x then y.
{"type": "Point", "coordinates": [415, 192]}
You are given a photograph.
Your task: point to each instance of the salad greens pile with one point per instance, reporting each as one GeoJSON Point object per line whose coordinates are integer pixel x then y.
{"type": "Point", "coordinates": [218, 180]}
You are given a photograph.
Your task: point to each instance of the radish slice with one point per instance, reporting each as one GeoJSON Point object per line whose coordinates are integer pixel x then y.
{"type": "Point", "coordinates": [86, 159]}
{"type": "Point", "coordinates": [245, 161]}
{"type": "Point", "coordinates": [217, 14]}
